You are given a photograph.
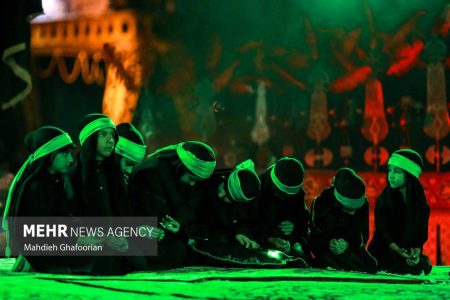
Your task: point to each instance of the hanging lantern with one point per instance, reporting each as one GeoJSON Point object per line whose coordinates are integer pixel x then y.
{"type": "Point", "coordinates": [375, 128]}
{"type": "Point", "coordinates": [437, 121]}
{"type": "Point", "coordinates": [318, 126]}
{"type": "Point", "coordinates": [260, 133]}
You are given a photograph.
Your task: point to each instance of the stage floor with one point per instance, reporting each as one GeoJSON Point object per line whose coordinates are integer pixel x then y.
{"type": "Point", "coordinates": [229, 283]}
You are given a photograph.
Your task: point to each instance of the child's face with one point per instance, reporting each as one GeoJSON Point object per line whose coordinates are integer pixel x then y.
{"type": "Point", "coordinates": [105, 143]}
{"type": "Point", "coordinates": [61, 162]}
{"type": "Point", "coordinates": [126, 165]}
{"type": "Point", "coordinates": [396, 177]}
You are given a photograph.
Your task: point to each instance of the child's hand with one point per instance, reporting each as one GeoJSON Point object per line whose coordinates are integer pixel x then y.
{"type": "Point", "coordinates": [170, 224]}
{"type": "Point", "coordinates": [342, 245]}
{"type": "Point", "coordinates": [117, 243]}
{"type": "Point", "coordinates": [338, 246]}
{"type": "Point", "coordinates": [287, 227]}
{"type": "Point", "coordinates": [414, 257]}
{"type": "Point", "coordinates": [413, 261]}
{"type": "Point", "coordinates": [400, 251]}
{"type": "Point", "coordinates": [151, 232]}
{"type": "Point", "coordinates": [245, 241]}
{"type": "Point", "coordinates": [403, 253]}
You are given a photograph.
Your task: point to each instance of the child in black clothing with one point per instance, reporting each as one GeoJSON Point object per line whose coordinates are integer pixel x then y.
{"type": "Point", "coordinates": [225, 217]}
{"type": "Point", "coordinates": [96, 178]}
{"type": "Point", "coordinates": [130, 149]}
{"type": "Point", "coordinates": [41, 189]}
{"type": "Point", "coordinates": [340, 225]}
{"type": "Point", "coordinates": [97, 185]}
{"type": "Point", "coordinates": [401, 217]}
{"type": "Point", "coordinates": [165, 185]}
{"type": "Point", "coordinates": [282, 213]}
{"type": "Point", "coordinates": [225, 211]}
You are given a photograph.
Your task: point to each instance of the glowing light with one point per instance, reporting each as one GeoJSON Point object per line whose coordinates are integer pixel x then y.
{"type": "Point", "coordinates": [273, 254]}
{"type": "Point", "coordinates": [55, 8]}
{"type": "Point", "coordinates": [118, 101]}
{"type": "Point", "coordinates": [260, 133]}
{"type": "Point", "coordinates": [375, 128]}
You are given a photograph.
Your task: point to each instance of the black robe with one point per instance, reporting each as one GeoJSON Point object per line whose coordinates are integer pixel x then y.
{"type": "Point", "coordinates": [219, 220]}
{"type": "Point", "coordinates": [156, 191]}
{"type": "Point", "coordinates": [45, 195]}
{"type": "Point", "coordinates": [328, 222]}
{"type": "Point", "coordinates": [104, 194]}
{"type": "Point", "coordinates": [273, 210]}
{"type": "Point", "coordinates": [404, 223]}
{"type": "Point", "coordinates": [101, 195]}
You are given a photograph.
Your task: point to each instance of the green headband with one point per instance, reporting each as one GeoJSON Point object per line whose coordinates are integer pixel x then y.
{"type": "Point", "coordinates": [349, 202]}
{"type": "Point", "coordinates": [130, 150]}
{"type": "Point", "coordinates": [94, 126]}
{"type": "Point", "coordinates": [234, 184]}
{"type": "Point", "coordinates": [170, 147]}
{"type": "Point", "coordinates": [406, 164]}
{"type": "Point", "coordinates": [200, 168]}
{"type": "Point", "coordinates": [290, 190]}
{"type": "Point", "coordinates": [51, 146]}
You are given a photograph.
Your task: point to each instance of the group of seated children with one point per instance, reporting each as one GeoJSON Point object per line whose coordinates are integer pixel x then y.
{"type": "Point", "coordinates": [214, 216]}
